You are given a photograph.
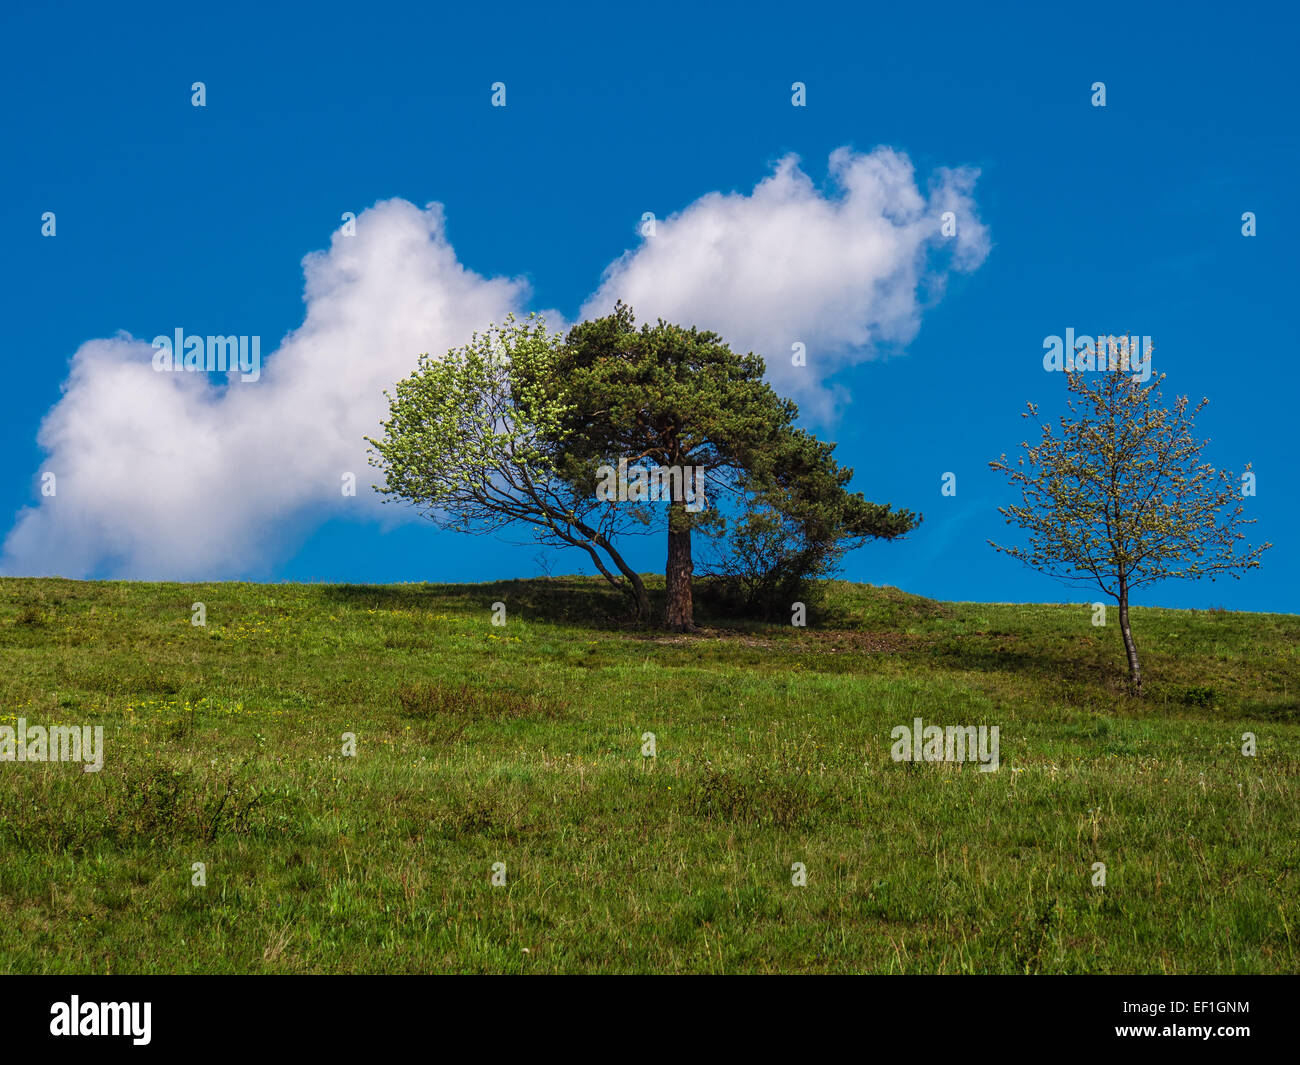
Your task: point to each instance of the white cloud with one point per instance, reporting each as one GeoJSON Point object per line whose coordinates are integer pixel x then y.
{"type": "Point", "coordinates": [163, 476]}
{"type": "Point", "coordinates": [842, 271]}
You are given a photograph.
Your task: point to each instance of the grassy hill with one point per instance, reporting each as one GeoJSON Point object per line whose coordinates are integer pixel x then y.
{"type": "Point", "coordinates": [522, 744]}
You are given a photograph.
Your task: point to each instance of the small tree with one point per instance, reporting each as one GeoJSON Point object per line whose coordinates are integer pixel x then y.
{"type": "Point", "coordinates": [1121, 497]}
{"type": "Point", "coordinates": [767, 560]}
{"type": "Point", "coordinates": [791, 532]}
{"type": "Point", "coordinates": [472, 443]}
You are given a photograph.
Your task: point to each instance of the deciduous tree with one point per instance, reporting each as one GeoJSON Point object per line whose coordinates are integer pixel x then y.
{"type": "Point", "coordinates": [1121, 498]}
{"type": "Point", "coordinates": [472, 442]}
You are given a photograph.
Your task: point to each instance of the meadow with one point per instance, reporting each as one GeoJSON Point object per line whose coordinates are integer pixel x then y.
{"type": "Point", "coordinates": [522, 744]}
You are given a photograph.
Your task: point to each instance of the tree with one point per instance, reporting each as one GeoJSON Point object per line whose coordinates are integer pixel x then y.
{"type": "Point", "coordinates": [473, 444]}
{"type": "Point", "coordinates": [1122, 499]}
{"type": "Point", "coordinates": [681, 398]}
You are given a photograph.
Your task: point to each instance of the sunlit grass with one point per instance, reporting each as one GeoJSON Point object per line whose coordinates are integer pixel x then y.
{"type": "Point", "coordinates": [522, 744]}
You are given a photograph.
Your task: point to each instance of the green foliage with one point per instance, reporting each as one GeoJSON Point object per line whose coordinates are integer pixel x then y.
{"type": "Point", "coordinates": [472, 440]}
{"type": "Point", "coordinates": [1121, 498]}
{"type": "Point", "coordinates": [767, 562]}
{"type": "Point", "coordinates": [671, 396]}
{"type": "Point", "coordinates": [512, 429]}
{"type": "Point", "coordinates": [675, 396]}
{"type": "Point", "coordinates": [464, 437]}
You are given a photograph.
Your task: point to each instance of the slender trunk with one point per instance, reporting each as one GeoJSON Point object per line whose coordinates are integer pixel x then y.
{"type": "Point", "coordinates": [640, 599]}
{"type": "Point", "coordinates": [679, 614]}
{"type": "Point", "coordinates": [1134, 671]}
{"type": "Point", "coordinates": [639, 596]}
{"type": "Point", "coordinates": [630, 584]}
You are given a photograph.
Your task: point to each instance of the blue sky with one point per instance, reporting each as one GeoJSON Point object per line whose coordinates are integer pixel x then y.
{"type": "Point", "coordinates": [1115, 219]}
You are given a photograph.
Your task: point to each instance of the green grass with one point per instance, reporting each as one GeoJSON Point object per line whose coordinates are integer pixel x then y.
{"type": "Point", "coordinates": [522, 745]}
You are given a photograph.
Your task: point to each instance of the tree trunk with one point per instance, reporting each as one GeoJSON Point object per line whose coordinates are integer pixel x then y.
{"type": "Point", "coordinates": [640, 600]}
{"type": "Point", "coordinates": [679, 615]}
{"type": "Point", "coordinates": [631, 584]}
{"type": "Point", "coordinates": [639, 595]}
{"type": "Point", "coordinates": [1134, 671]}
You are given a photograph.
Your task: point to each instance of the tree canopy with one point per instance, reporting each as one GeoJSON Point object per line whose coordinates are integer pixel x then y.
{"type": "Point", "coordinates": [470, 442]}
{"type": "Point", "coordinates": [680, 397]}
{"type": "Point", "coordinates": [521, 427]}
